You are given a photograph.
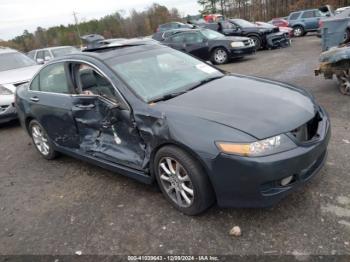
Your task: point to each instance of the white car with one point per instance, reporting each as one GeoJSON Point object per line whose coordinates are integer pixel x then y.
{"type": "Point", "coordinates": [41, 56]}
{"type": "Point", "coordinates": [15, 69]}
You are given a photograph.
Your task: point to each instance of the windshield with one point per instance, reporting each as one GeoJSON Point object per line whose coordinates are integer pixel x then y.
{"type": "Point", "coordinates": [243, 23]}
{"type": "Point", "coordinates": [9, 61]}
{"type": "Point", "coordinates": [158, 73]}
{"type": "Point", "coordinates": [210, 34]}
{"type": "Point", "coordinates": [64, 51]}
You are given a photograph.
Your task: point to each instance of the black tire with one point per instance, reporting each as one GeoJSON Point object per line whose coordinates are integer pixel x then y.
{"type": "Point", "coordinates": [257, 42]}
{"type": "Point", "coordinates": [51, 153]}
{"type": "Point", "coordinates": [298, 31]}
{"type": "Point", "coordinates": [203, 194]}
{"type": "Point", "coordinates": [219, 51]}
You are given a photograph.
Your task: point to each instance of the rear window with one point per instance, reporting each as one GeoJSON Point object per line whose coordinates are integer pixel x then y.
{"type": "Point", "coordinates": [294, 16]}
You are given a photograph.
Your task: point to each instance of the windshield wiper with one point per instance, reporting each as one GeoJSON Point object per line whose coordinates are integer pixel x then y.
{"type": "Point", "coordinates": [205, 81]}
{"type": "Point", "coordinates": [175, 94]}
{"type": "Point", "coordinates": [168, 96]}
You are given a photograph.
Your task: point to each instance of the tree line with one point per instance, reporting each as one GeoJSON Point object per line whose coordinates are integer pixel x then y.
{"type": "Point", "coordinates": [146, 22]}
{"type": "Point", "coordinates": [111, 26]}
{"type": "Point", "coordinates": [263, 10]}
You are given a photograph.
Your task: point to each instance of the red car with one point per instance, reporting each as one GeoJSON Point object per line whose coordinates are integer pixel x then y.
{"type": "Point", "coordinates": [279, 22]}
{"type": "Point", "coordinates": [287, 30]}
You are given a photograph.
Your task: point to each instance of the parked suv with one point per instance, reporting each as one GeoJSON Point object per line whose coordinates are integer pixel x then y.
{"type": "Point", "coordinates": [15, 70]}
{"type": "Point", "coordinates": [306, 21]}
{"type": "Point", "coordinates": [42, 56]}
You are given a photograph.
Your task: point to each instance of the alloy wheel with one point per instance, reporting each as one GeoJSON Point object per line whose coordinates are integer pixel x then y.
{"type": "Point", "coordinates": [40, 140]}
{"type": "Point", "coordinates": [298, 32]}
{"type": "Point", "coordinates": [344, 82]}
{"type": "Point", "coordinates": [176, 182]}
{"type": "Point", "coordinates": [220, 56]}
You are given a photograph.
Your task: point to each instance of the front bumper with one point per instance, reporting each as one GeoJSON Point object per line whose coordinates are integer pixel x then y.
{"type": "Point", "coordinates": [277, 40]}
{"type": "Point", "coordinates": [7, 109]}
{"type": "Point", "coordinates": [243, 51]}
{"type": "Point", "coordinates": [255, 182]}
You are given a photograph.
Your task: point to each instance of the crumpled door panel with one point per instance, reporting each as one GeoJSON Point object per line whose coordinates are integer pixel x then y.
{"type": "Point", "coordinates": [107, 132]}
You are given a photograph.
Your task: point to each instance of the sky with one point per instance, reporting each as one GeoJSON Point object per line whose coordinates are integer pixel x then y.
{"type": "Point", "coordinates": [18, 15]}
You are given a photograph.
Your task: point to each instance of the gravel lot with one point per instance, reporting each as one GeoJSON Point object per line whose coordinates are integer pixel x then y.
{"type": "Point", "coordinates": [62, 206]}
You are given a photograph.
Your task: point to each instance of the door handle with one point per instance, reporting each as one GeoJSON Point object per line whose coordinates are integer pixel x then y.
{"type": "Point", "coordinates": [85, 107]}
{"type": "Point", "coordinates": [35, 99]}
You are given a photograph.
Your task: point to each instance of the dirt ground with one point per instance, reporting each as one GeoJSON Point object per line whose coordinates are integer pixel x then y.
{"type": "Point", "coordinates": [64, 206]}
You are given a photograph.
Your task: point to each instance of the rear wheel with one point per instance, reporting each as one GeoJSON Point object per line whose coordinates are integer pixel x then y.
{"type": "Point", "coordinates": [41, 140]}
{"type": "Point", "coordinates": [298, 31]}
{"type": "Point", "coordinates": [219, 56]}
{"type": "Point", "coordinates": [182, 181]}
{"type": "Point", "coordinates": [344, 82]}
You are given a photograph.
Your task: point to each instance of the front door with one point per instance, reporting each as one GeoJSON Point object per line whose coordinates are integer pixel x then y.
{"type": "Point", "coordinates": [106, 128]}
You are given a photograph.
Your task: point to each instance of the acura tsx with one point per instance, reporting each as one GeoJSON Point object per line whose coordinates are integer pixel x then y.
{"type": "Point", "coordinates": [161, 116]}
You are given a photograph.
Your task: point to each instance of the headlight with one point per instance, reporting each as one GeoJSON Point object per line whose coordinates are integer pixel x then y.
{"type": "Point", "coordinates": [237, 44]}
{"type": "Point", "coordinates": [5, 91]}
{"type": "Point", "coordinates": [264, 147]}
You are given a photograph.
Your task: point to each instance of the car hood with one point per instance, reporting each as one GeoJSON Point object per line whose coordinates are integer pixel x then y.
{"type": "Point", "coordinates": [18, 75]}
{"type": "Point", "coordinates": [258, 107]}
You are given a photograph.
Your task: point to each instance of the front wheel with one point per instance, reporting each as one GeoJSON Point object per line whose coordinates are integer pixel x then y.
{"type": "Point", "coordinates": [182, 181]}
{"type": "Point", "coordinates": [257, 42]}
{"type": "Point", "coordinates": [219, 56]}
{"type": "Point", "coordinates": [41, 140]}
{"type": "Point", "coordinates": [344, 82]}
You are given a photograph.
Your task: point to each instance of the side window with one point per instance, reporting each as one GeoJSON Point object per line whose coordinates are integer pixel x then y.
{"type": "Point", "coordinates": [177, 38]}
{"type": "Point", "coordinates": [308, 14]}
{"type": "Point", "coordinates": [228, 25]}
{"type": "Point", "coordinates": [93, 83]}
{"type": "Point", "coordinates": [47, 54]}
{"type": "Point", "coordinates": [35, 84]}
{"type": "Point", "coordinates": [294, 16]}
{"type": "Point", "coordinates": [193, 38]}
{"type": "Point", "coordinates": [53, 79]}
{"type": "Point", "coordinates": [40, 55]}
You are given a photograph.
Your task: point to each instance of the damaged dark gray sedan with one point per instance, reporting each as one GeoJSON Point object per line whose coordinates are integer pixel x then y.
{"type": "Point", "coordinates": [160, 116]}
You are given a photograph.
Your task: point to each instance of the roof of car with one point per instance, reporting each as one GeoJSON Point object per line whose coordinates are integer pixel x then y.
{"type": "Point", "coordinates": [6, 50]}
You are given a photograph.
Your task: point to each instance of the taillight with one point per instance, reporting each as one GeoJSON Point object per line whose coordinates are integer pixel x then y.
{"type": "Point", "coordinates": [320, 24]}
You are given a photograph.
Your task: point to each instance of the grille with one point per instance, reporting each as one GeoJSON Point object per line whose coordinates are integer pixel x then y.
{"type": "Point", "coordinates": [308, 131]}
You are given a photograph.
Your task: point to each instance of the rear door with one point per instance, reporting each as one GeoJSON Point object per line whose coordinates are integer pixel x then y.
{"type": "Point", "coordinates": [51, 103]}
{"type": "Point", "coordinates": [176, 41]}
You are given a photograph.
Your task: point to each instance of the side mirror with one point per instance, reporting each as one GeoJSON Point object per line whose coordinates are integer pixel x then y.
{"type": "Point", "coordinates": [40, 61]}
{"type": "Point", "coordinates": [47, 58]}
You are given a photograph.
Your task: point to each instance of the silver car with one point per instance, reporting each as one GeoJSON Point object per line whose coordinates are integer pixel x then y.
{"type": "Point", "coordinates": [15, 69]}
{"type": "Point", "coordinates": [42, 56]}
